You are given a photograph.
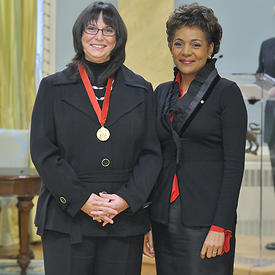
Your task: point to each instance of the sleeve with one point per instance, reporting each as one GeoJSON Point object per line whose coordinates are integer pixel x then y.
{"type": "Point", "coordinates": [227, 237]}
{"type": "Point", "coordinates": [145, 173]}
{"type": "Point", "coordinates": [56, 173]}
{"type": "Point", "coordinates": [234, 127]}
{"type": "Point", "coordinates": [261, 61]}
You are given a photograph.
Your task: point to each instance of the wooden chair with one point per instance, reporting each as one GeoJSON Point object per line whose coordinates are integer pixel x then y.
{"type": "Point", "coordinates": [14, 153]}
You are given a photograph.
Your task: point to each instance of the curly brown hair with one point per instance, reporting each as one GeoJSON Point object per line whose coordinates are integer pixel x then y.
{"type": "Point", "coordinates": [194, 15]}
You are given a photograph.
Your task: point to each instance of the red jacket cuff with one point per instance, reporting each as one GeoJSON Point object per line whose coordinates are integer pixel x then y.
{"type": "Point", "coordinates": [227, 237]}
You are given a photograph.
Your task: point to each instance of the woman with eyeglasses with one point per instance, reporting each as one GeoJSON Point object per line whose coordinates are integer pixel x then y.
{"type": "Point", "coordinates": [96, 149]}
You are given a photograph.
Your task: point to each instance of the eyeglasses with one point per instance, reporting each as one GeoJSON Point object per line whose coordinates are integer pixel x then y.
{"type": "Point", "coordinates": [108, 31]}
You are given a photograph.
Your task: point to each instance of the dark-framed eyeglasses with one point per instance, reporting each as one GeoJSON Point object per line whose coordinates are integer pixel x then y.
{"type": "Point", "coordinates": [108, 31]}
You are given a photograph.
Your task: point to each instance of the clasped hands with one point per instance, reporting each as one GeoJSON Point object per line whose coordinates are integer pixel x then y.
{"type": "Point", "coordinates": [104, 207]}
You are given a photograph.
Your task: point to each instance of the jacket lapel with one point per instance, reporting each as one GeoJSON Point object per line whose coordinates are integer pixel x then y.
{"type": "Point", "coordinates": [74, 93]}
{"type": "Point", "coordinates": [187, 107]}
{"type": "Point", "coordinates": [77, 97]}
{"type": "Point", "coordinates": [125, 95]}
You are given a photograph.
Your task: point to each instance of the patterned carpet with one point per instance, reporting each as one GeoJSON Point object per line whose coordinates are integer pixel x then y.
{"type": "Point", "coordinates": [10, 267]}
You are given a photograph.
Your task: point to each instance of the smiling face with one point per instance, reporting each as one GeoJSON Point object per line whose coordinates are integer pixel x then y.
{"type": "Point", "coordinates": [97, 47]}
{"type": "Point", "coordinates": [190, 50]}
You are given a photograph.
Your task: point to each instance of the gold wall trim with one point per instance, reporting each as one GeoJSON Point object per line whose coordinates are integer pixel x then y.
{"type": "Point", "coordinates": [49, 30]}
{"type": "Point", "coordinates": [147, 52]}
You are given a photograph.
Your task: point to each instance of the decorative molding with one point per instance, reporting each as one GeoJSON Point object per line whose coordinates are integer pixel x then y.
{"type": "Point", "coordinates": [49, 20]}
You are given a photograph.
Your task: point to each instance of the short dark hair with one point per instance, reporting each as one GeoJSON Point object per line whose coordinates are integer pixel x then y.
{"type": "Point", "coordinates": [112, 18]}
{"type": "Point", "coordinates": [194, 15]}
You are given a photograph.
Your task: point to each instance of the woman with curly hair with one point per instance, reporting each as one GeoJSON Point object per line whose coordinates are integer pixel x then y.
{"type": "Point", "coordinates": [202, 127]}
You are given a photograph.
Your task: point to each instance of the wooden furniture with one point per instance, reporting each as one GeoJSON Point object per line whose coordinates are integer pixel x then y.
{"type": "Point", "coordinates": [24, 184]}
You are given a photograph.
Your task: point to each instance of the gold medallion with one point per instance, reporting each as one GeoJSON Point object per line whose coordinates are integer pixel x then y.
{"type": "Point", "coordinates": [103, 134]}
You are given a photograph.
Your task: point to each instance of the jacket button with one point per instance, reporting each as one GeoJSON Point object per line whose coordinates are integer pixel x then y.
{"type": "Point", "coordinates": [63, 200]}
{"type": "Point", "coordinates": [105, 162]}
{"type": "Point", "coordinates": [202, 101]}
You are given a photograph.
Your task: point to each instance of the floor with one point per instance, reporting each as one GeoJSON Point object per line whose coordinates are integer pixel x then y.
{"type": "Point", "coordinates": [9, 266]}
{"type": "Point", "coordinates": [12, 251]}
{"type": "Point", "coordinates": [247, 256]}
{"type": "Point", "coordinates": [248, 250]}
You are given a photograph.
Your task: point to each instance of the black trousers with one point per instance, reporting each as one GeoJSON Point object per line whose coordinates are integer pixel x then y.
{"type": "Point", "coordinates": [93, 256]}
{"type": "Point", "coordinates": [177, 249]}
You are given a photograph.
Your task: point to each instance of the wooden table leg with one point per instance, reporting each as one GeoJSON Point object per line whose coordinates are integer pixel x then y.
{"type": "Point", "coordinates": [24, 207]}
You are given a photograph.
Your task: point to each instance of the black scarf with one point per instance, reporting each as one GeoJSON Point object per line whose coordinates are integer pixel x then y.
{"type": "Point", "coordinates": [185, 109]}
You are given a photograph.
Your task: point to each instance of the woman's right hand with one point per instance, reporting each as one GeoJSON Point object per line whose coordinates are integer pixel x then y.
{"type": "Point", "coordinates": [100, 206]}
{"type": "Point", "coordinates": [148, 246]}
{"type": "Point", "coordinates": [213, 244]}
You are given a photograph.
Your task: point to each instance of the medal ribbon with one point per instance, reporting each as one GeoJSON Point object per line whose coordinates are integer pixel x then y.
{"type": "Point", "coordinates": [101, 114]}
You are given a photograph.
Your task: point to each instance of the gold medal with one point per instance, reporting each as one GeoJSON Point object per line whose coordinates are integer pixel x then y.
{"type": "Point", "coordinates": [103, 134]}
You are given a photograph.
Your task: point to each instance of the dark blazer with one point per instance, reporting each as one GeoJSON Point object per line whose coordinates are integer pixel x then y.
{"type": "Point", "coordinates": [212, 159]}
{"type": "Point", "coordinates": [267, 65]}
{"type": "Point", "coordinates": [267, 57]}
{"type": "Point", "coordinates": [68, 156]}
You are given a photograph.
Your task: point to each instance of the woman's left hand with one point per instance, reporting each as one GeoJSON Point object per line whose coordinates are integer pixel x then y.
{"type": "Point", "coordinates": [148, 245]}
{"type": "Point", "coordinates": [213, 244]}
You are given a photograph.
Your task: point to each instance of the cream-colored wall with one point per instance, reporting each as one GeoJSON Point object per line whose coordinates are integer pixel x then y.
{"type": "Point", "coordinates": [147, 52]}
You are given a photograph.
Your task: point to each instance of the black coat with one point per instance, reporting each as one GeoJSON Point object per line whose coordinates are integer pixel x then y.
{"type": "Point", "coordinates": [267, 57]}
{"type": "Point", "coordinates": [68, 156]}
{"type": "Point", "coordinates": [212, 149]}
{"type": "Point", "coordinates": [267, 65]}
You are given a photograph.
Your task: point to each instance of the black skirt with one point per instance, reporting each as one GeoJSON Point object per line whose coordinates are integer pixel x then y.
{"type": "Point", "coordinates": [177, 248]}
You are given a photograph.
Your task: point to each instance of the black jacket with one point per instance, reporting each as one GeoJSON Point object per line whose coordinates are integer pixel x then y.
{"type": "Point", "coordinates": [267, 66]}
{"type": "Point", "coordinates": [267, 57]}
{"type": "Point", "coordinates": [68, 156]}
{"type": "Point", "coordinates": [208, 155]}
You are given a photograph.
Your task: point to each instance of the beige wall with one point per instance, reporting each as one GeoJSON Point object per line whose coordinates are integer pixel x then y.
{"type": "Point", "coordinates": [147, 52]}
